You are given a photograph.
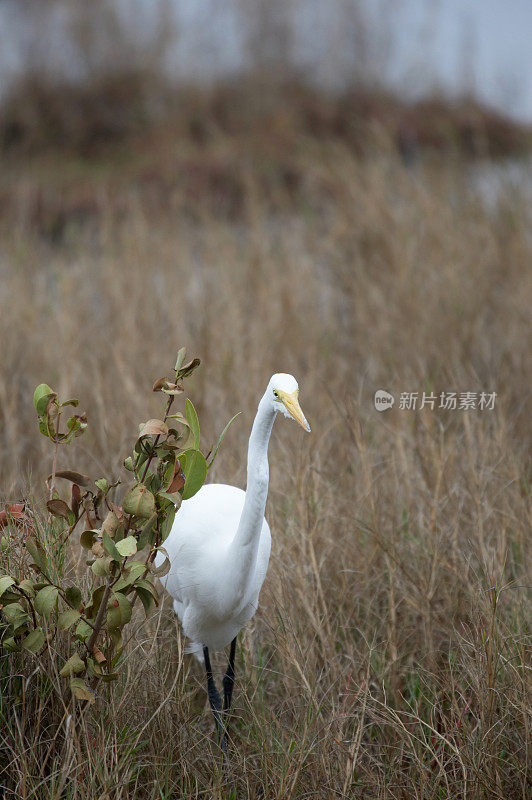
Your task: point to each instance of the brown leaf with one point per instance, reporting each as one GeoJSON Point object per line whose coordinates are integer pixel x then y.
{"type": "Point", "coordinates": [110, 523]}
{"type": "Point", "coordinates": [51, 407]}
{"type": "Point", "coordinates": [89, 511]}
{"type": "Point", "coordinates": [159, 383]}
{"type": "Point", "coordinates": [97, 549]}
{"type": "Point", "coordinates": [188, 369]}
{"type": "Point", "coordinates": [154, 427]}
{"type": "Point", "coordinates": [98, 655]}
{"type": "Point", "coordinates": [70, 475]}
{"type": "Point", "coordinates": [173, 388]}
{"type": "Point", "coordinates": [119, 511]}
{"type": "Point", "coordinates": [58, 508]}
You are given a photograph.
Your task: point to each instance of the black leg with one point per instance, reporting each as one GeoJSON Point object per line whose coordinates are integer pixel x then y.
{"type": "Point", "coordinates": [214, 699]}
{"type": "Point", "coordinates": [229, 677]}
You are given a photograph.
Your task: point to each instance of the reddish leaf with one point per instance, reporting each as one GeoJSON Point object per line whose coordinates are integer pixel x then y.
{"type": "Point", "coordinates": [178, 480]}
{"type": "Point", "coordinates": [76, 498]}
{"type": "Point", "coordinates": [15, 508]}
{"type": "Point", "coordinates": [13, 511]}
{"type": "Point", "coordinates": [98, 655]}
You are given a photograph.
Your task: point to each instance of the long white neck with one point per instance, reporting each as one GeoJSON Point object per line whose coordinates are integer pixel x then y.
{"type": "Point", "coordinates": [243, 549]}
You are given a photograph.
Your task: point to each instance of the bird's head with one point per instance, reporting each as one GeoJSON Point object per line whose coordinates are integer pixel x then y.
{"type": "Point", "coordinates": [283, 393]}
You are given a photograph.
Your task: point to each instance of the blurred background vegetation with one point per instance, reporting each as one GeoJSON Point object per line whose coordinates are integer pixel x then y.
{"type": "Point", "coordinates": [280, 217]}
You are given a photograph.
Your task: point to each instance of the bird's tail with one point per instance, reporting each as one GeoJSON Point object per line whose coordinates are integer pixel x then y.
{"type": "Point", "coordinates": [194, 647]}
{"type": "Point", "coordinates": [197, 651]}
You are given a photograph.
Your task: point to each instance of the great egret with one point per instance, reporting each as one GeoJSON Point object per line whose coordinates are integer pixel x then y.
{"type": "Point", "coordinates": [219, 548]}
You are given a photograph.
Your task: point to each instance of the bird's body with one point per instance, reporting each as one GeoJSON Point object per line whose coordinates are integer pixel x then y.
{"type": "Point", "coordinates": [199, 548]}
{"type": "Point", "coordinates": [219, 548]}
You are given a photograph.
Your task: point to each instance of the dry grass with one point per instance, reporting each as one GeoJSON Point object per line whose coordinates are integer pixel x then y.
{"type": "Point", "coordinates": [389, 655]}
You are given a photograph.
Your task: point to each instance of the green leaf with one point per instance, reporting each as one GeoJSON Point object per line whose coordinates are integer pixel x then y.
{"type": "Point", "coordinates": [174, 498]}
{"type": "Point", "coordinates": [41, 396]}
{"type": "Point", "coordinates": [102, 484]}
{"type": "Point", "coordinates": [193, 421]}
{"type": "Point", "coordinates": [136, 568]}
{"type": "Point", "coordinates": [164, 568]}
{"type": "Point", "coordinates": [68, 618]}
{"type": "Point", "coordinates": [34, 641]}
{"type": "Point", "coordinates": [73, 666]}
{"type": "Point", "coordinates": [36, 551]}
{"type": "Point", "coordinates": [128, 464]}
{"type": "Point", "coordinates": [178, 416]}
{"type": "Point", "coordinates": [16, 616]}
{"type": "Point", "coordinates": [91, 609]}
{"type": "Point", "coordinates": [146, 599]}
{"type": "Point", "coordinates": [47, 427]}
{"type": "Point", "coordinates": [88, 538]}
{"type": "Point", "coordinates": [107, 677]}
{"type": "Point", "coordinates": [73, 596]}
{"type": "Point", "coordinates": [118, 611]}
{"type": "Point", "coordinates": [76, 425]}
{"type": "Point", "coordinates": [211, 462]}
{"type": "Point", "coordinates": [127, 547]}
{"type": "Point", "coordinates": [93, 668]}
{"type": "Point", "coordinates": [139, 502]}
{"type": "Point", "coordinates": [168, 471]}
{"type": "Point", "coordinates": [5, 582]}
{"type": "Point", "coordinates": [115, 635]}
{"type": "Point", "coordinates": [102, 566]}
{"type": "Point", "coordinates": [180, 358]}
{"type": "Point", "coordinates": [72, 402]}
{"type": "Point", "coordinates": [110, 547]}
{"type": "Point", "coordinates": [27, 587]}
{"type": "Point", "coordinates": [168, 521]}
{"type": "Point", "coordinates": [10, 597]}
{"type": "Point", "coordinates": [146, 534]}
{"type": "Point", "coordinates": [83, 631]}
{"type": "Point", "coordinates": [148, 587]}
{"type": "Point", "coordinates": [195, 468]}
{"type": "Point", "coordinates": [45, 600]}
{"type": "Point", "coordinates": [10, 644]}
{"type": "Point", "coordinates": [81, 691]}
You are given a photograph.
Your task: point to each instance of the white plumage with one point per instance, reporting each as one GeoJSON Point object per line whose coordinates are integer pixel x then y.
{"type": "Point", "coordinates": [210, 610]}
{"type": "Point", "coordinates": [219, 545]}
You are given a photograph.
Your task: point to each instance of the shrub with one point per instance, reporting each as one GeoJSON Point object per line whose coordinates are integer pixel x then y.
{"type": "Point", "coordinates": [85, 615]}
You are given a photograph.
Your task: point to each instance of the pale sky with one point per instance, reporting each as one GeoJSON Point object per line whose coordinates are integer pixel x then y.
{"type": "Point", "coordinates": [414, 45]}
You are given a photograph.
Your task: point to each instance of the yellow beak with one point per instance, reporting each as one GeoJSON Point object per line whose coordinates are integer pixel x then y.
{"type": "Point", "coordinates": [291, 403]}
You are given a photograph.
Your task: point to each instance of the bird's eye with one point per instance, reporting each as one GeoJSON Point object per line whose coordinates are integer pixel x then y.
{"type": "Point", "coordinates": [275, 393]}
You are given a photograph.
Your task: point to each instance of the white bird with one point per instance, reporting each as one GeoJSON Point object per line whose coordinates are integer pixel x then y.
{"type": "Point", "coordinates": [219, 548]}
